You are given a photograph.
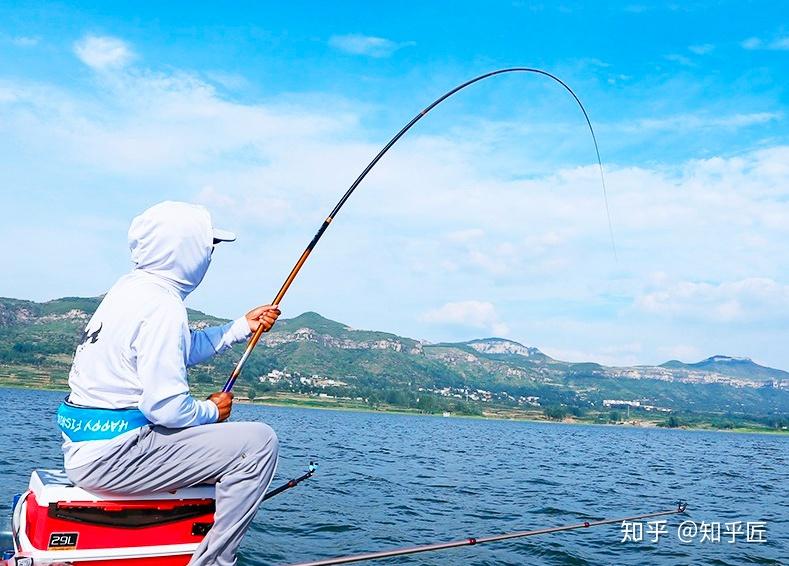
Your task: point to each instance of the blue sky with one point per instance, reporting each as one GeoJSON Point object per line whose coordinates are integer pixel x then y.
{"type": "Point", "coordinates": [487, 220]}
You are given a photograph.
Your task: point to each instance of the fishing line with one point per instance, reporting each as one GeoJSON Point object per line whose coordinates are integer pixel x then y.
{"type": "Point", "coordinates": [305, 254]}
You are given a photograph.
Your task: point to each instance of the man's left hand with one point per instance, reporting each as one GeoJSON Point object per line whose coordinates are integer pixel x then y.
{"type": "Point", "coordinates": [266, 316]}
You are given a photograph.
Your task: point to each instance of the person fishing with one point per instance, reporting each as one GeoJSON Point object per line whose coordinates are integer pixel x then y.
{"type": "Point", "coordinates": [130, 426]}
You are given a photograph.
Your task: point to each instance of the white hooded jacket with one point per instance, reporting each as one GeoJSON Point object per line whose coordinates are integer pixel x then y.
{"type": "Point", "coordinates": [137, 345]}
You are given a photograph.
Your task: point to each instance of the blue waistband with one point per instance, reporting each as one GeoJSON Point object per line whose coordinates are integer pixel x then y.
{"type": "Point", "coordinates": [86, 423]}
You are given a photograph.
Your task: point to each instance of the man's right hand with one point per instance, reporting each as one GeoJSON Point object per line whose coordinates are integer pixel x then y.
{"type": "Point", "coordinates": [223, 402]}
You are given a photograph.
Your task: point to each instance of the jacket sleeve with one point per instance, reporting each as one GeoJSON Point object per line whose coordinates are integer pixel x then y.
{"type": "Point", "coordinates": [160, 348]}
{"type": "Point", "coordinates": [215, 339]}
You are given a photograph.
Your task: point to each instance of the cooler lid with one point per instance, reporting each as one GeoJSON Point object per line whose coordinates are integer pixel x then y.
{"type": "Point", "coordinates": [52, 486]}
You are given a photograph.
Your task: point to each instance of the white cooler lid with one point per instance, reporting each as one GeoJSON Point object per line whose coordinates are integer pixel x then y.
{"type": "Point", "coordinates": [51, 486]}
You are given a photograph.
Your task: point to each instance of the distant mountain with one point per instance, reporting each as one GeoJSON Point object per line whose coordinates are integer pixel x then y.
{"type": "Point", "coordinates": [733, 367]}
{"type": "Point", "coordinates": [503, 347]}
{"type": "Point", "coordinates": [16, 311]}
{"type": "Point", "coordinates": [312, 353]}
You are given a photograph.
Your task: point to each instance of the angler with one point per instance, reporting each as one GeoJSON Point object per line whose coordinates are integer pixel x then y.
{"type": "Point", "coordinates": [130, 426]}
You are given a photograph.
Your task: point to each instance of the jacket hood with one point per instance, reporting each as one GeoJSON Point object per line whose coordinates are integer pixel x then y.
{"type": "Point", "coordinates": [173, 241]}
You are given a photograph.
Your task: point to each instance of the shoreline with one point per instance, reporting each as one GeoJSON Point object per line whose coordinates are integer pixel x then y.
{"type": "Point", "coordinates": [567, 422]}
{"type": "Point", "coordinates": [318, 405]}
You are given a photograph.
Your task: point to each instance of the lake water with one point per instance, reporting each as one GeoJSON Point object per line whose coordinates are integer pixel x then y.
{"type": "Point", "coordinates": [392, 480]}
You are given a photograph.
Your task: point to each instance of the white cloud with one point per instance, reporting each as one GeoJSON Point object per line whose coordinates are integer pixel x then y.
{"type": "Point", "coordinates": [618, 78]}
{"type": "Point", "coordinates": [475, 314]}
{"type": "Point", "coordinates": [681, 59]}
{"type": "Point", "coordinates": [752, 43]}
{"type": "Point", "coordinates": [210, 197]}
{"type": "Point", "coordinates": [358, 44]}
{"type": "Point", "coordinates": [8, 94]}
{"type": "Point", "coordinates": [733, 301]}
{"type": "Point", "coordinates": [466, 235]}
{"type": "Point", "coordinates": [271, 209]}
{"type": "Point", "coordinates": [776, 44]}
{"type": "Point", "coordinates": [141, 123]}
{"type": "Point", "coordinates": [688, 122]}
{"type": "Point", "coordinates": [26, 41]}
{"type": "Point", "coordinates": [702, 49]}
{"type": "Point", "coordinates": [103, 52]}
{"type": "Point", "coordinates": [593, 62]}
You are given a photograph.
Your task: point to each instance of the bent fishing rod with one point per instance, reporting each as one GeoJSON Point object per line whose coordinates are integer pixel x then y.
{"type": "Point", "coordinates": [311, 246]}
{"type": "Point", "coordinates": [472, 541]}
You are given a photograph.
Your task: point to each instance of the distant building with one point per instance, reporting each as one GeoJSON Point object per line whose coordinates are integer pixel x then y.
{"type": "Point", "coordinates": [620, 403]}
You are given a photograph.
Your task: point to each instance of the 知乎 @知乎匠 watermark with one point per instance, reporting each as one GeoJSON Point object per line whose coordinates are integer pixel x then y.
{"type": "Point", "coordinates": [691, 531]}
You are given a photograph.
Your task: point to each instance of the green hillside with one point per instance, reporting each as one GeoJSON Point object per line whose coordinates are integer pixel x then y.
{"type": "Point", "coordinates": [310, 356]}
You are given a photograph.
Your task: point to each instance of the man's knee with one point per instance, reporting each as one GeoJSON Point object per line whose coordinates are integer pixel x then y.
{"type": "Point", "coordinates": [260, 437]}
{"type": "Point", "coordinates": [267, 437]}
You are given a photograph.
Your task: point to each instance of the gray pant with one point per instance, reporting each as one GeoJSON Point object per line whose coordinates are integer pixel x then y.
{"type": "Point", "coordinates": [239, 458]}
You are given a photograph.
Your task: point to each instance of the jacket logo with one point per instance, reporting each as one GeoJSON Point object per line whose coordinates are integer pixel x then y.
{"type": "Point", "coordinates": [91, 337]}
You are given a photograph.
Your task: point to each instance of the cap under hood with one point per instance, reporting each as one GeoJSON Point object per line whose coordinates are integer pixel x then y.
{"type": "Point", "coordinates": [173, 240]}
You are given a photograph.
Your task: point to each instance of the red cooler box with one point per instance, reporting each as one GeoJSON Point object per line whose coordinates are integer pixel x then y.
{"type": "Point", "coordinates": [58, 523]}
